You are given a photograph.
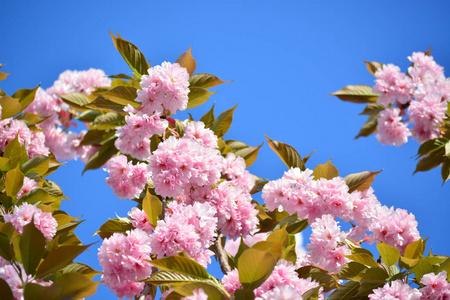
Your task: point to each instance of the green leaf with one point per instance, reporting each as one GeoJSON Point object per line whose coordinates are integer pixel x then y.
{"type": "Point", "coordinates": [79, 268]}
{"type": "Point", "coordinates": [122, 95]}
{"type": "Point", "coordinates": [373, 66]}
{"type": "Point", "coordinates": [389, 254]}
{"type": "Point", "coordinates": [99, 158]}
{"type": "Point", "coordinates": [13, 181]}
{"type": "Point", "coordinates": [59, 258]}
{"type": "Point", "coordinates": [38, 164]}
{"type": "Point", "coordinates": [187, 61]}
{"type": "Point", "coordinates": [360, 181]}
{"type": "Point", "coordinates": [351, 270]}
{"type": "Point", "coordinates": [423, 267]}
{"type": "Point", "coordinates": [187, 289]}
{"type": "Point", "coordinates": [223, 122]}
{"type": "Point", "coordinates": [152, 207]}
{"type": "Point", "coordinates": [132, 56]}
{"type": "Point", "coordinates": [432, 145]}
{"type": "Point", "coordinates": [88, 116]}
{"type": "Point", "coordinates": [257, 263]}
{"type": "Point", "coordinates": [244, 294]}
{"type": "Point", "coordinates": [306, 158]}
{"type": "Point", "coordinates": [75, 286]}
{"type": "Point", "coordinates": [445, 170]}
{"type": "Point", "coordinates": [327, 171]}
{"type": "Point", "coordinates": [279, 236]}
{"type": "Point", "coordinates": [113, 225]}
{"type": "Point", "coordinates": [208, 118]}
{"type": "Point", "coordinates": [363, 258]}
{"type": "Point", "coordinates": [297, 226]}
{"type": "Point", "coordinates": [4, 75]}
{"type": "Point", "coordinates": [35, 291]}
{"type": "Point", "coordinates": [76, 100]}
{"type": "Point", "coordinates": [171, 278]}
{"type": "Point", "coordinates": [25, 96]}
{"type": "Point", "coordinates": [374, 275]}
{"type": "Point", "coordinates": [367, 289]}
{"type": "Point", "coordinates": [198, 96]}
{"type": "Point", "coordinates": [205, 81]}
{"type": "Point", "coordinates": [5, 290]}
{"type": "Point", "coordinates": [345, 292]}
{"type": "Point", "coordinates": [409, 262]}
{"type": "Point", "coordinates": [373, 109]}
{"type": "Point", "coordinates": [312, 294]}
{"type": "Point", "coordinates": [32, 247]}
{"type": "Point", "coordinates": [108, 121]}
{"type": "Point", "coordinates": [181, 264]}
{"type": "Point", "coordinates": [10, 106]}
{"type": "Point", "coordinates": [249, 154]}
{"type": "Point", "coordinates": [369, 127]}
{"type": "Point", "coordinates": [7, 229]}
{"type": "Point", "coordinates": [414, 249]}
{"type": "Point", "coordinates": [93, 137]}
{"type": "Point", "coordinates": [327, 281]}
{"type": "Point", "coordinates": [430, 161]}
{"type": "Point", "coordinates": [356, 94]}
{"type": "Point", "coordinates": [5, 164]}
{"type": "Point", "coordinates": [259, 185]}
{"type": "Point", "coordinates": [287, 153]}
{"type": "Point", "coordinates": [6, 250]}
{"type": "Point", "coordinates": [13, 151]}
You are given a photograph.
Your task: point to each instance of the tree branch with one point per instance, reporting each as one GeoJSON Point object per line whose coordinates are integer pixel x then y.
{"type": "Point", "coordinates": [223, 258]}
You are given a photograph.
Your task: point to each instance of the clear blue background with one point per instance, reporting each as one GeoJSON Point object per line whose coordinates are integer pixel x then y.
{"type": "Point", "coordinates": [284, 57]}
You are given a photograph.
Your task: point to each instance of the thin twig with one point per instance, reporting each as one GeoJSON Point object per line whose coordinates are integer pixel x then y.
{"type": "Point", "coordinates": [223, 259]}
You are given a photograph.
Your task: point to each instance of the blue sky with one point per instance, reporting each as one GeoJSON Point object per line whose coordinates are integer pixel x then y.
{"type": "Point", "coordinates": [284, 57]}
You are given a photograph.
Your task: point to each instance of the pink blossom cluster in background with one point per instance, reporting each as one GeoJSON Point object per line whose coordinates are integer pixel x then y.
{"type": "Point", "coordinates": [25, 213]}
{"type": "Point", "coordinates": [9, 273]}
{"type": "Point", "coordinates": [422, 93]}
{"type": "Point", "coordinates": [65, 145]}
{"type": "Point", "coordinates": [322, 200]}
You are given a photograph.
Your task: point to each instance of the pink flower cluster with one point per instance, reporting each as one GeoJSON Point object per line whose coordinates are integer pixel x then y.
{"type": "Point", "coordinates": [134, 136]}
{"type": "Point", "coordinates": [124, 262]}
{"type": "Point", "coordinates": [10, 275]}
{"type": "Point", "coordinates": [325, 251]}
{"type": "Point", "coordinates": [126, 180]}
{"type": "Point", "coordinates": [397, 290]}
{"type": "Point", "coordinates": [23, 215]}
{"type": "Point", "coordinates": [394, 227]}
{"type": "Point", "coordinates": [190, 228]}
{"type": "Point", "coordinates": [181, 164]}
{"type": "Point", "coordinates": [164, 89]}
{"type": "Point", "coordinates": [204, 136]}
{"type": "Point", "coordinates": [65, 145]}
{"type": "Point", "coordinates": [391, 130]}
{"type": "Point", "coordinates": [282, 275]}
{"type": "Point", "coordinates": [297, 192]}
{"type": "Point", "coordinates": [436, 286]}
{"type": "Point", "coordinates": [34, 141]}
{"type": "Point", "coordinates": [424, 91]}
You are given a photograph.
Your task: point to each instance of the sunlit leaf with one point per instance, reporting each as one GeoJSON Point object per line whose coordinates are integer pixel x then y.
{"type": "Point", "coordinates": [345, 292]}
{"type": "Point", "coordinates": [327, 171]}
{"type": "Point", "coordinates": [171, 278]}
{"type": "Point", "coordinates": [374, 275]}
{"type": "Point", "coordinates": [249, 154]}
{"type": "Point", "coordinates": [25, 96]}
{"type": "Point", "coordinates": [181, 264]}
{"type": "Point", "coordinates": [423, 267]}
{"type": "Point", "coordinates": [122, 95]}
{"type": "Point", "coordinates": [205, 81]}
{"type": "Point", "coordinates": [187, 61]}
{"type": "Point", "coordinates": [360, 181]}
{"type": "Point", "coordinates": [99, 158]}
{"type": "Point", "coordinates": [373, 66]}
{"type": "Point", "coordinates": [208, 118]}
{"type": "Point", "coordinates": [372, 109]}
{"type": "Point", "coordinates": [389, 254]}
{"type": "Point", "coordinates": [10, 106]}
{"type": "Point", "coordinates": [112, 226]}
{"type": "Point", "coordinates": [38, 164]}
{"type": "Point", "coordinates": [132, 56]}
{"type": "Point", "coordinates": [198, 96]}
{"type": "Point", "coordinates": [75, 286]}
{"type": "Point", "coordinates": [369, 127]}
{"type": "Point", "coordinates": [152, 207]}
{"type": "Point", "coordinates": [414, 249]}
{"type": "Point", "coordinates": [223, 122]}
{"type": "Point", "coordinates": [13, 181]}
{"type": "Point", "coordinates": [79, 268]}
{"type": "Point", "coordinates": [287, 153]}
{"type": "Point", "coordinates": [356, 94]}
{"type": "Point", "coordinates": [363, 258]}
{"type": "Point", "coordinates": [351, 270]}
{"type": "Point", "coordinates": [76, 100]}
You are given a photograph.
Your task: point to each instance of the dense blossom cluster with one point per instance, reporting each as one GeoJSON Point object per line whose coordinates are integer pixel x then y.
{"type": "Point", "coordinates": [25, 213]}
{"type": "Point", "coordinates": [164, 89]}
{"type": "Point", "coordinates": [124, 262]}
{"type": "Point", "coordinates": [297, 192]}
{"type": "Point", "coordinates": [47, 103]}
{"type": "Point", "coordinates": [424, 90]}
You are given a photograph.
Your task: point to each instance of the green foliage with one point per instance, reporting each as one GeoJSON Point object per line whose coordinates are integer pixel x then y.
{"type": "Point", "coordinates": [327, 171]}
{"type": "Point", "coordinates": [287, 153]}
{"type": "Point", "coordinates": [356, 94]}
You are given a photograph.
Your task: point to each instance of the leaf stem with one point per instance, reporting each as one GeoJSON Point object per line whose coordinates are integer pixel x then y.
{"type": "Point", "coordinates": [223, 259]}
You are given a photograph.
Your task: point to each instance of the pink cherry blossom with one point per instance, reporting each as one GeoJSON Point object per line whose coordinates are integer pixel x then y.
{"type": "Point", "coordinates": [391, 130]}
{"type": "Point", "coordinates": [436, 286]}
{"type": "Point", "coordinates": [198, 294]}
{"type": "Point", "coordinates": [397, 290]}
{"type": "Point", "coordinates": [28, 185]}
{"type": "Point", "coordinates": [392, 85]}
